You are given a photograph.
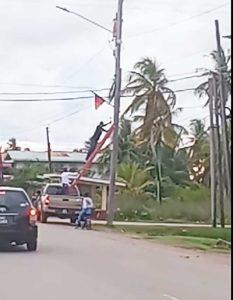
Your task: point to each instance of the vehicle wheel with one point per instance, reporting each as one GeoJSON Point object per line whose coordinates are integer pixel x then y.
{"type": "Point", "coordinates": [32, 245]}
{"type": "Point", "coordinates": [72, 220]}
{"type": "Point", "coordinates": [83, 225]}
{"type": "Point", "coordinates": [43, 217]}
{"type": "Point", "coordinates": [88, 225]}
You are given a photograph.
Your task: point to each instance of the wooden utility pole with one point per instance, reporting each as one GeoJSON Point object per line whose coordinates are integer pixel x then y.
{"type": "Point", "coordinates": [220, 174]}
{"type": "Point", "coordinates": [114, 154]}
{"type": "Point", "coordinates": [213, 181]}
{"type": "Point", "coordinates": [223, 100]}
{"type": "Point", "coordinates": [49, 150]}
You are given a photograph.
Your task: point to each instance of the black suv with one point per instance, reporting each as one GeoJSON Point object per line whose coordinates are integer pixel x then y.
{"type": "Point", "coordinates": [17, 218]}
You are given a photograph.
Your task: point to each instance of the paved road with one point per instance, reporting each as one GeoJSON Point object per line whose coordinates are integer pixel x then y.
{"type": "Point", "coordinates": [73, 264]}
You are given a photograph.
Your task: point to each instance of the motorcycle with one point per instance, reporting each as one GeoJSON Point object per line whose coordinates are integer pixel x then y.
{"type": "Point", "coordinates": [85, 223]}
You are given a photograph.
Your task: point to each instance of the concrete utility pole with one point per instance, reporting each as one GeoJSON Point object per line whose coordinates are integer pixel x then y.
{"type": "Point", "coordinates": [49, 150]}
{"type": "Point", "coordinates": [219, 173]}
{"type": "Point", "coordinates": [114, 154]}
{"type": "Point", "coordinates": [223, 100]}
{"type": "Point", "coordinates": [213, 181]}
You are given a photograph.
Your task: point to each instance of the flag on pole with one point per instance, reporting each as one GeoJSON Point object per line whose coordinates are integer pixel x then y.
{"type": "Point", "coordinates": [98, 101]}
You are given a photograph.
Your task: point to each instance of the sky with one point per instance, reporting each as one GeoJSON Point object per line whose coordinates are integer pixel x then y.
{"type": "Point", "coordinates": [46, 50]}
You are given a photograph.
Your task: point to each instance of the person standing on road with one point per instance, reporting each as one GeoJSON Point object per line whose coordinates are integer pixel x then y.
{"type": "Point", "coordinates": [96, 136]}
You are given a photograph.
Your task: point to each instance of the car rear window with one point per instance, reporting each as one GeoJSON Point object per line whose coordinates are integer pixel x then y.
{"type": "Point", "coordinates": [57, 190]}
{"type": "Point", "coordinates": [53, 190]}
{"type": "Point", "coordinates": [12, 199]}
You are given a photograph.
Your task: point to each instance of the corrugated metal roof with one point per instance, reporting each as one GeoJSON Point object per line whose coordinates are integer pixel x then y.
{"type": "Point", "coordinates": [91, 180]}
{"type": "Point", "coordinates": [32, 156]}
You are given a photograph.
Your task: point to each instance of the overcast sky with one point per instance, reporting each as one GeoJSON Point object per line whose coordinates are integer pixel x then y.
{"type": "Point", "coordinates": [42, 46]}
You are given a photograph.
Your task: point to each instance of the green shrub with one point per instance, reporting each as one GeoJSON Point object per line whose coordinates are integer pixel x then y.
{"type": "Point", "coordinates": [185, 204]}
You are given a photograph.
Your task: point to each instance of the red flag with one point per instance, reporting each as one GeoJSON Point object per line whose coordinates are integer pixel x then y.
{"type": "Point", "coordinates": [98, 101]}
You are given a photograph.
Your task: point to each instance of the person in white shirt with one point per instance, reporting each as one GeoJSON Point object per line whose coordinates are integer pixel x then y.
{"type": "Point", "coordinates": [65, 181]}
{"type": "Point", "coordinates": [87, 206]}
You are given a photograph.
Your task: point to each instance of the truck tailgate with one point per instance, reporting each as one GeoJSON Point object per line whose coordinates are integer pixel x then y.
{"type": "Point", "coordinates": [65, 202]}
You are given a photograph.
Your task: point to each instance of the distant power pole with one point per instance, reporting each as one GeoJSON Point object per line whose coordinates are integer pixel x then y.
{"type": "Point", "coordinates": [114, 154]}
{"type": "Point", "coordinates": [223, 100]}
{"type": "Point", "coordinates": [213, 181]}
{"type": "Point", "coordinates": [49, 150]}
{"type": "Point", "coordinates": [1, 166]}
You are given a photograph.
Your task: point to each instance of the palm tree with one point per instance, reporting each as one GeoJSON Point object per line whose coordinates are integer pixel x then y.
{"type": "Point", "coordinates": [147, 86]}
{"type": "Point", "coordinates": [135, 178]}
{"type": "Point", "coordinates": [199, 152]}
{"type": "Point", "coordinates": [127, 148]}
{"type": "Point", "coordinates": [197, 129]}
{"type": "Point", "coordinates": [202, 89]}
{"type": "Point", "coordinates": [155, 102]}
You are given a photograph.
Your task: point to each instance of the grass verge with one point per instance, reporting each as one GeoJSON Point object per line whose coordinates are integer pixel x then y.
{"type": "Point", "coordinates": [207, 239]}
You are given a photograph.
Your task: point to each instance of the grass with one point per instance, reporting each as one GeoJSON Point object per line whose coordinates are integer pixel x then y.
{"type": "Point", "coordinates": [193, 238]}
{"type": "Point", "coordinates": [183, 205]}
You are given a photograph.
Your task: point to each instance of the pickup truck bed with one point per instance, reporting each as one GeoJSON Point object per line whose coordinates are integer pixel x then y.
{"type": "Point", "coordinates": [53, 204]}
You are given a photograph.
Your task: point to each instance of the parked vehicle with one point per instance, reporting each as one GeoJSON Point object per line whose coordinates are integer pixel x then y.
{"type": "Point", "coordinates": [53, 204]}
{"type": "Point", "coordinates": [17, 218]}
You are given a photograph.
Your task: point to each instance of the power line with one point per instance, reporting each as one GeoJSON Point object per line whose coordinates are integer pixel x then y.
{"type": "Point", "coordinates": [68, 115]}
{"type": "Point", "coordinates": [81, 91]}
{"type": "Point", "coordinates": [42, 123]}
{"type": "Point", "coordinates": [181, 21]}
{"type": "Point", "coordinates": [46, 100]}
{"type": "Point", "coordinates": [86, 63]}
{"type": "Point", "coordinates": [44, 85]}
{"type": "Point", "coordinates": [54, 93]}
{"type": "Point", "coordinates": [187, 77]}
{"type": "Point", "coordinates": [78, 98]}
{"type": "Point", "coordinates": [182, 74]}
{"type": "Point", "coordinates": [193, 117]}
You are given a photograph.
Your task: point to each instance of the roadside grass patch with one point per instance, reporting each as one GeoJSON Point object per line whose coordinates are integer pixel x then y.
{"type": "Point", "coordinates": [206, 239]}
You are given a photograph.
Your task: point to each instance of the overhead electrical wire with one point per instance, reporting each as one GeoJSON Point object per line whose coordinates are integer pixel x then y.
{"type": "Point", "coordinates": [181, 21]}
{"type": "Point", "coordinates": [52, 93]}
{"type": "Point", "coordinates": [84, 91]}
{"type": "Point", "coordinates": [44, 85]}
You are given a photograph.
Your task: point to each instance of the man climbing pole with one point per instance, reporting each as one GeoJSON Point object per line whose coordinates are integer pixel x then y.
{"type": "Point", "coordinates": [96, 136]}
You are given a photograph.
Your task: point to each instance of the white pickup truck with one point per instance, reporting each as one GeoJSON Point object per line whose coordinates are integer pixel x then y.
{"type": "Point", "coordinates": [53, 204]}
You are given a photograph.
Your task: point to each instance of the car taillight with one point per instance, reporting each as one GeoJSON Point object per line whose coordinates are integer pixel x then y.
{"type": "Point", "coordinates": [47, 200]}
{"type": "Point", "coordinates": [32, 216]}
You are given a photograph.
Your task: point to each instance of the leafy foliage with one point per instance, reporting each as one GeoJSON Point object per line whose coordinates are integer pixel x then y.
{"type": "Point", "coordinates": [136, 179]}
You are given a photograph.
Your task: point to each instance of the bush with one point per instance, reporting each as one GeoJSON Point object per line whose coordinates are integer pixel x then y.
{"type": "Point", "coordinates": [185, 204]}
{"type": "Point", "coordinates": [130, 207]}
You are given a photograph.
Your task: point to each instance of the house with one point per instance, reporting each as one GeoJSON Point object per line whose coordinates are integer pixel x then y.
{"type": "Point", "coordinates": [61, 159]}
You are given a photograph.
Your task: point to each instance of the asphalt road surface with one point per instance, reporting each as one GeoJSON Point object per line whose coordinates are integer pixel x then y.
{"type": "Point", "coordinates": [75, 264]}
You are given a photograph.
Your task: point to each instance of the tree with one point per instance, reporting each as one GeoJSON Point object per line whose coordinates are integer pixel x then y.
{"type": "Point", "coordinates": [127, 148]}
{"type": "Point", "coordinates": [199, 152]}
{"type": "Point", "coordinates": [27, 176]}
{"type": "Point", "coordinates": [155, 102]}
{"type": "Point", "coordinates": [147, 86]}
{"type": "Point", "coordinates": [135, 178]}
